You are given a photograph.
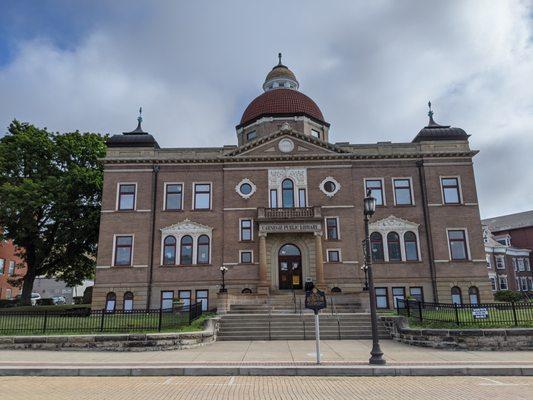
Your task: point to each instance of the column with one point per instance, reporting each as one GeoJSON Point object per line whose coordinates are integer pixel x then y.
{"type": "Point", "coordinates": [262, 260]}
{"type": "Point", "coordinates": [319, 260]}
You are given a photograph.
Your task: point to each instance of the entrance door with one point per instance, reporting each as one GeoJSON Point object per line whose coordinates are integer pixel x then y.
{"type": "Point", "coordinates": [290, 267]}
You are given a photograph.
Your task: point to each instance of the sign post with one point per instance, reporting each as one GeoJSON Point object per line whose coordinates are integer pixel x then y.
{"type": "Point", "coordinates": [316, 300]}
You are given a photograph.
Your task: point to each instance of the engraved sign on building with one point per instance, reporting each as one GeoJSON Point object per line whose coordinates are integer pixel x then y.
{"type": "Point", "coordinates": [290, 227]}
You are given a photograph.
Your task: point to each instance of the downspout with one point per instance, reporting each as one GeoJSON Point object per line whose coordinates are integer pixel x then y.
{"type": "Point", "coordinates": [152, 237]}
{"type": "Point", "coordinates": [427, 223]}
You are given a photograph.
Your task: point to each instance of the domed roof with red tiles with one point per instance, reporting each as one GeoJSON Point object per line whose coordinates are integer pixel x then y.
{"type": "Point", "coordinates": [281, 102]}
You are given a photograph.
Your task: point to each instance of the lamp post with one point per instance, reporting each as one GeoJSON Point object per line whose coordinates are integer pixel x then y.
{"type": "Point", "coordinates": [369, 204]}
{"type": "Point", "coordinates": [364, 267]}
{"type": "Point", "coordinates": [223, 271]}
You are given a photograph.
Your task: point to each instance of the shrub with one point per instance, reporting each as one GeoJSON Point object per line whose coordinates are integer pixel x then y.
{"type": "Point", "coordinates": [78, 300]}
{"type": "Point", "coordinates": [7, 303]}
{"type": "Point", "coordinates": [45, 302]}
{"type": "Point", "coordinates": [88, 295]}
{"type": "Point", "coordinates": [508, 296]}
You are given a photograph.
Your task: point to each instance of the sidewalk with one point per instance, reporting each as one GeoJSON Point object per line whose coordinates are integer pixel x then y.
{"type": "Point", "coordinates": [349, 357]}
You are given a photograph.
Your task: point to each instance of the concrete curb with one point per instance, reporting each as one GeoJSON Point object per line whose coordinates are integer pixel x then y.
{"type": "Point", "coordinates": [441, 370]}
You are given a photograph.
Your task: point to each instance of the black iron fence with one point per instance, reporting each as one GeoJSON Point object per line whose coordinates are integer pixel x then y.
{"type": "Point", "coordinates": [516, 313]}
{"type": "Point", "coordinates": [84, 320]}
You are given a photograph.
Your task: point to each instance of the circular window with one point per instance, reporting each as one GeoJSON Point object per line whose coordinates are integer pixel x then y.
{"type": "Point", "coordinates": [330, 187]}
{"type": "Point", "coordinates": [245, 188]}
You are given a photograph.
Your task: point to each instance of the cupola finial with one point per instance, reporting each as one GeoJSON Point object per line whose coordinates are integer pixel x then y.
{"type": "Point", "coordinates": [279, 58]}
{"type": "Point", "coordinates": [140, 119]}
{"type": "Point", "coordinates": [430, 115]}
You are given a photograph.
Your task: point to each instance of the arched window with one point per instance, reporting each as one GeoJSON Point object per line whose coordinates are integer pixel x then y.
{"type": "Point", "coordinates": [376, 245]}
{"type": "Point", "coordinates": [169, 251]}
{"type": "Point", "coordinates": [411, 248]}
{"type": "Point", "coordinates": [393, 243]}
{"type": "Point", "coordinates": [128, 301]}
{"type": "Point", "coordinates": [336, 290]}
{"type": "Point", "coordinates": [203, 250]}
{"type": "Point", "coordinates": [186, 250]}
{"type": "Point", "coordinates": [456, 295]}
{"type": "Point", "coordinates": [473, 293]}
{"type": "Point", "coordinates": [111, 302]}
{"type": "Point", "coordinates": [287, 194]}
{"type": "Point", "coordinates": [246, 291]}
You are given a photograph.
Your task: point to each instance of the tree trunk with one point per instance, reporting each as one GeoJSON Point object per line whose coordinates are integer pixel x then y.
{"type": "Point", "coordinates": [27, 287]}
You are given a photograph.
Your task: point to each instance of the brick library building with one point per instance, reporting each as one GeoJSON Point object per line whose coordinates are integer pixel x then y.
{"type": "Point", "coordinates": [283, 207]}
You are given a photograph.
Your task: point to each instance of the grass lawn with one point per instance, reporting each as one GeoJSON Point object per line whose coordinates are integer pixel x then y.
{"type": "Point", "coordinates": [109, 323]}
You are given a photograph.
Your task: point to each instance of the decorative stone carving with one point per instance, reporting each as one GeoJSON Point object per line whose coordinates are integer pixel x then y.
{"type": "Point", "coordinates": [187, 227]}
{"type": "Point", "coordinates": [392, 223]}
{"type": "Point", "coordinates": [286, 127]}
{"type": "Point", "coordinates": [276, 176]}
{"type": "Point", "coordinates": [286, 145]}
{"type": "Point", "coordinates": [244, 195]}
{"type": "Point", "coordinates": [323, 189]}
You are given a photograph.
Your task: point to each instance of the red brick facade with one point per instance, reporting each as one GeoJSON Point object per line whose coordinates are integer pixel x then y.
{"type": "Point", "coordinates": [11, 266]}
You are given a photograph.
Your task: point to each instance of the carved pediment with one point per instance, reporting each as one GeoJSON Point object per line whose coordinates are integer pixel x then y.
{"type": "Point", "coordinates": [392, 223]}
{"type": "Point", "coordinates": [187, 227]}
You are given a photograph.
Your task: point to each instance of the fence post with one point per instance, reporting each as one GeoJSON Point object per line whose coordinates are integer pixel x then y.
{"type": "Point", "coordinates": [456, 313]}
{"type": "Point", "coordinates": [514, 313]}
{"type": "Point", "coordinates": [160, 319]}
{"type": "Point", "coordinates": [406, 302]}
{"type": "Point", "coordinates": [420, 310]}
{"type": "Point", "coordinates": [102, 320]}
{"type": "Point", "coordinates": [45, 320]}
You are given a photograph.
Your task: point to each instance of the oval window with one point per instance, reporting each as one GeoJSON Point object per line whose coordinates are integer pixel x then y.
{"type": "Point", "coordinates": [246, 188]}
{"type": "Point", "coordinates": [329, 186]}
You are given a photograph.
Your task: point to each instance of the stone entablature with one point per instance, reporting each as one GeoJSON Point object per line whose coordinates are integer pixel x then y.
{"type": "Point", "coordinates": [290, 227]}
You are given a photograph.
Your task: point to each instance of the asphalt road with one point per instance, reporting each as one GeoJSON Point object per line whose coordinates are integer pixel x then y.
{"type": "Point", "coordinates": [259, 388]}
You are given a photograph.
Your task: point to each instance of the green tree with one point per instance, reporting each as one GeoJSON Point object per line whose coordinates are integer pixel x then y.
{"type": "Point", "coordinates": [50, 194]}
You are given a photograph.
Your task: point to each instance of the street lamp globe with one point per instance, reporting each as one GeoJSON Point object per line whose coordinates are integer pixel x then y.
{"type": "Point", "coordinates": [369, 204]}
{"type": "Point", "coordinates": [223, 269]}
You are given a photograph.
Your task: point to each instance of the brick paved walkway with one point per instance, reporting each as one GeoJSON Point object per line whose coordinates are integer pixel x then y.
{"type": "Point", "coordinates": [348, 352]}
{"type": "Point", "coordinates": [267, 388]}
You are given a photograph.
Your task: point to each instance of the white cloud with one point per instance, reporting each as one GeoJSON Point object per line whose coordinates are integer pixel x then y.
{"type": "Point", "coordinates": [370, 66]}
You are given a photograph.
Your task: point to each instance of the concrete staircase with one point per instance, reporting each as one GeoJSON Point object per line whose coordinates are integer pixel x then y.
{"type": "Point", "coordinates": [296, 327]}
{"type": "Point", "coordinates": [278, 318]}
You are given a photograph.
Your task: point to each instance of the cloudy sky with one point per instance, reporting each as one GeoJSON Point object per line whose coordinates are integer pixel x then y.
{"type": "Point", "coordinates": [195, 65]}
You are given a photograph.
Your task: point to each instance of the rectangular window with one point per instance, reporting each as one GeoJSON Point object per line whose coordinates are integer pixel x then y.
{"type": "Point", "coordinates": [202, 196]}
{"type": "Point", "coordinates": [530, 283]}
{"type": "Point", "coordinates": [500, 262]}
{"type": "Point", "coordinates": [185, 297]}
{"type": "Point", "coordinates": [527, 265]}
{"type": "Point", "coordinates": [246, 230]}
{"type": "Point", "coordinates": [332, 230]}
{"type": "Point", "coordinates": [2, 263]}
{"type": "Point", "coordinates": [11, 268]}
{"type": "Point", "coordinates": [251, 135]}
{"type": "Point", "coordinates": [167, 298]}
{"type": "Point", "coordinates": [493, 285]}
{"type": "Point", "coordinates": [9, 295]}
{"type": "Point", "coordinates": [273, 198]}
{"type": "Point", "coordinates": [334, 256]}
{"type": "Point", "coordinates": [402, 192]}
{"type": "Point", "coordinates": [417, 292]}
{"type": "Point", "coordinates": [126, 196]}
{"type": "Point", "coordinates": [376, 189]}
{"type": "Point", "coordinates": [398, 293]}
{"type": "Point", "coordinates": [123, 250]}
{"type": "Point", "coordinates": [450, 190]}
{"type": "Point", "coordinates": [202, 296]}
{"type": "Point", "coordinates": [315, 133]}
{"type": "Point", "coordinates": [382, 298]}
{"type": "Point", "coordinates": [457, 241]}
{"type": "Point", "coordinates": [301, 198]}
{"type": "Point", "coordinates": [503, 283]}
{"type": "Point", "coordinates": [523, 284]}
{"type": "Point", "coordinates": [521, 266]}
{"type": "Point", "coordinates": [246, 257]}
{"type": "Point", "coordinates": [173, 196]}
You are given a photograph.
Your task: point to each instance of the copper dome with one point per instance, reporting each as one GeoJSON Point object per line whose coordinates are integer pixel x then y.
{"type": "Point", "coordinates": [281, 103]}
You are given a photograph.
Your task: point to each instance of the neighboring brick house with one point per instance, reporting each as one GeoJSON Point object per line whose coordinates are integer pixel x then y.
{"type": "Point", "coordinates": [285, 206]}
{"type": "Point", "coordinates": [11, 266]}
{"type": "Point", "coordinates": [516, 232]}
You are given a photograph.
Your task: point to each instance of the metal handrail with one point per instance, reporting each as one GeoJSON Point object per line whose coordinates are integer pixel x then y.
{"type": "Point", "coordinates": [269, 318]}
{"type": "Point", "coordinates": [336, 314]}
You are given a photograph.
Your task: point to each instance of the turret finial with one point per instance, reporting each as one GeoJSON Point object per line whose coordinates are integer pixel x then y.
{"type": "Point", "coordinates": [279, 57]}
{"type": "Point", "coordinates": [430, 115]}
